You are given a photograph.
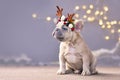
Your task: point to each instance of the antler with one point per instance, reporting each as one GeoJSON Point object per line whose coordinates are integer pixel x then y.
{"type": "Point", "coordinates": [70, 16]}
{"type": "Point", "coordinates": [59, 11]}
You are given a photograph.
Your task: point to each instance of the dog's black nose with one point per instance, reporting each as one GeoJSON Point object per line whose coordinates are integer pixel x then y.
{"type": "Point", "coordinates": [57, 29]}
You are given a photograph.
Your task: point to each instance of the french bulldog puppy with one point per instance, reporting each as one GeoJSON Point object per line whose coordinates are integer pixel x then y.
{"type": "Point", "coordinates": [74, 54]}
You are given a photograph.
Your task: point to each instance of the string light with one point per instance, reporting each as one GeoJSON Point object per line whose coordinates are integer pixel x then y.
{"type": "Point", "coordinates": [101, 13]}
{"type": "Point", "coordinates": [119, 39]}
{"type": "Point", "coordinates": [112, 31]}
{"type": "Point", "coordinates": [91, 6]}
{"type": "Point", "coordinates": [118, 30]}
{"type": "Point", "coordinates": [103, 26]}
{"type": "Point", "coordinates": [100, 22]}
{"type": "Point", "coordinates": [84, 7]}
{"type": "Point", "coordinates": [34, 15]}
{"type": "Point", "coordinates": [48, 18]}
{"type": "Point", "coordinates": [108, 26]}
{"type": "Point", "coordinates": [112, 23]}
{"type": "Point", "coordinates": [76, 15]}
{"type": "Point", "coordinates": [88, 11]}
{"type": "Point", "coordinates": [105, 8]}
{"type": "Point", "coordinates": [107, 37]}
{"type": "Point", "coordinates": [77, 7]}
{"type": "Point", "coordinates": [97, 12]}
{"type": "Point", "coordinates": [115, 22]}
{"type": "Point", "coordinates": [90, 19]}
{"type": "Point", "coordinates": [84, 16]}
{"type": "Point", "coordinates": [119, 22]}
{"type": "Point", "coordinates": [108, 23]}
{"type": "Point", "coordinates": [105, 18]}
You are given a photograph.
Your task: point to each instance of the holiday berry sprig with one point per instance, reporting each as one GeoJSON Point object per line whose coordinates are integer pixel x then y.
{"type": "Point", "coordinates": [63, 20]}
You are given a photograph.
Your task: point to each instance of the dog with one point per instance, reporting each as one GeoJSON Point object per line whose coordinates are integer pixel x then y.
{"type": "Point", "coordinates": [74, 54]}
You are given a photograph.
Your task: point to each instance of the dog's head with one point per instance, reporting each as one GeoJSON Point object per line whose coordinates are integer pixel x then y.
{"type": "Point", "coordinates": [66, 27]}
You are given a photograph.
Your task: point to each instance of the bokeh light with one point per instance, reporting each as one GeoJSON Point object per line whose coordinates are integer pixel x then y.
{"type": "Point", "coordinates": [34, 15]}
{"type": "Point", "coordinates": [105, 8]}
{"type": "Point", "coordinates": [84, 7]}
{"type": "Point", "coordinates": [48, 18]}
{"type": "Point", "coordinates": [107, 37]}
{"type": "Point", "coordinates": [77, 7]}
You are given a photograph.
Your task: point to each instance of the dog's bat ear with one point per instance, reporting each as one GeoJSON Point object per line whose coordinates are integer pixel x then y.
{"type": "Point", "coordinates": [79, 25]}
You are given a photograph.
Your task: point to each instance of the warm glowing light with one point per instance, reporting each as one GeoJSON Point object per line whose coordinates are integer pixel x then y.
{"type": "Point", "coordinates": [108, 23]}
{"type": "Point", "coordinates": [103, 26]}
{"type": "Point", "coordinates": [119, 39]}
{"type": "Point", "coordinates": [115, 22]}
{"type": "Point", "coordinates": [112, 23]}
{"type": "Point", "coordinates": [97, 12]}
{"type": "Point", "coordinates": [108, 26]}
{"type": "Point", "coordinates": [105, 8]}
{"type": "Point", "coordinates": [119, 22]}
{"type": "Point", "coordinates": [91, 19]}
{"type": "Point", "coordinates": [48, 18]}
{"type": "Point", "coordinates": [112, 31]}
{"type": "Point", "coordinates": [84, 7]}
{"type": "Point", "coordinates": [107, 37]}
{"type": "Point", "coordinates": [91, 6]}
{"type": "Point", "coordinates": [105, 18]}
{"type": "Point", "coordinates": [100, 22]}
{"type": "Point", "coordinates": [84, 16]}
{"type": "Point", "coordinates": [34, 15]}
{"type": "Point", "coordinates": [101, 13]}
{"type": "Point", "coordinates": [88, 11]}
{"type": "Point", "coordinates": [118, 30]}
{"type": "Point", "coordinates": [77, 7]}
{"type": "Point", "coordinates": [77, 15]}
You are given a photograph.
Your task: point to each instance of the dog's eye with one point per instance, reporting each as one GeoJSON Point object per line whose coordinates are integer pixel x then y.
{"type": "Point", "coordinates": [64, 28]}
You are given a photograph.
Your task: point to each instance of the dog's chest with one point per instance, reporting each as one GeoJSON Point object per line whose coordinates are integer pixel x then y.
{"type": "Point", "coordinates": [72, 55]}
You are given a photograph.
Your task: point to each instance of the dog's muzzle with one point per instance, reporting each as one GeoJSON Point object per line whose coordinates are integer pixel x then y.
{"type": "Point", "coordinates": [57, 33]}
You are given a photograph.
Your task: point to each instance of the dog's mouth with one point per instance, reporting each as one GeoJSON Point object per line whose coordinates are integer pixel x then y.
{"type": "Point", "coordinates": [60, 38]}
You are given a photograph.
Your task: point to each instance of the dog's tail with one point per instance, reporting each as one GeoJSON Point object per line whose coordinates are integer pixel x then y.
{"type": "Point", "coordinates": [101, 52]}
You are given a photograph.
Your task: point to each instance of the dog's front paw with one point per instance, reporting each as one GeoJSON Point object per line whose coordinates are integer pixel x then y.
{"type": "Point", "coordinates": [77, 71]}
{"type": "Point", "coordinates": [60, 72]}
{"type": "Point", "coordinates": [85, 73]}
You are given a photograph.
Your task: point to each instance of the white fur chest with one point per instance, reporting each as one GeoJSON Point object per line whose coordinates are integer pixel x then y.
{"type": "Point", "coordinates": [72, 55]}
{"type": "Point", "coordinates": [71, 50]}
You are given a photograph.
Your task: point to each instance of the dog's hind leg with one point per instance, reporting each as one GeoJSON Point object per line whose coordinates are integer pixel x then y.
{"type": "Point", "coordinates": [68, 69]}
{"type": "Point", "coordinates": [93, 67]}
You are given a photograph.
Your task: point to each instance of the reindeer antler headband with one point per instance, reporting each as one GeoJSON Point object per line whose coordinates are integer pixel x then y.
{"type": "Point", "coordinates": [63, 20]}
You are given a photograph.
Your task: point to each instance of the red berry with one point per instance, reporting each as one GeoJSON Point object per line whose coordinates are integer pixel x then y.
{"type": "Point", "coordinates": [59, 20]}
{"type": "Point", "coordinates": [72, 29]}
{"type": "Point", "coordinates": [64, 23]}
